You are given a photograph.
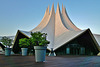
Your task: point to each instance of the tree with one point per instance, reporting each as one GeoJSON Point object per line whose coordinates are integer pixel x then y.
{"type": "Point", "coordinates": [6, 41]}
{"type": "Point", "coordinates": [39, 39]}
{"type": "Point", "coordinates": [24, 43]}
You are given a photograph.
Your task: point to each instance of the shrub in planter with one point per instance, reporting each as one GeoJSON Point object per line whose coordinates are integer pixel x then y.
{"type": "Point", "coordinates": [7, 42]}
{"type": "Point", "coordinates": [24, 43]}
{"type": "Point", "coordinates": [40, 45]}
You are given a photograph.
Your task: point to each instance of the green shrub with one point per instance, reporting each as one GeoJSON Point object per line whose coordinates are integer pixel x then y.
{"type": "Point", "coordinates": [39, 39]}
{"type": "Point", "coordinates": [6, 41]}
{"type": "Point", "coordinates": [24, 43]}
{"type": "Point", "coordinates": [36, 39]}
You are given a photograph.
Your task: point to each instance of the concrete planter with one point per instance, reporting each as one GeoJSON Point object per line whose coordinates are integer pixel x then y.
{"type": "Point", "coordinates": [7, 51]}
{"type": "Point", "coordinates": [40, 52]}
{"type": "Point", "coordinates": [24, 51]}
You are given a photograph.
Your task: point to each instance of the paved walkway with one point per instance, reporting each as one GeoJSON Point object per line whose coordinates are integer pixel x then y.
{"type": "Point", "coordinates": [59, 61]}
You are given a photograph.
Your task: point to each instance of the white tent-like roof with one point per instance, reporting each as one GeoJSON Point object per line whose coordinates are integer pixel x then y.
{"type": "Point", "coordinates": [59, 28]}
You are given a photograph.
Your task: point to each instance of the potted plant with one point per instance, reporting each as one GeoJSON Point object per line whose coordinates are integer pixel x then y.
{"type": "Point", "coordinates": [24, 44]}
{"type": "Point", "coordinates": [40, 45]}
{"type": "Point", "coordinates": [7, 42]}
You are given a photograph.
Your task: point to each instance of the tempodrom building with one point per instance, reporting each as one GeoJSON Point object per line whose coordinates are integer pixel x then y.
{"type": "Point", "coordinates": [64, 36]}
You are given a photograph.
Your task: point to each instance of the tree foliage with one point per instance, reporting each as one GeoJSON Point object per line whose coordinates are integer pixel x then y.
{"type": "Point", "coordinates": [36, 39]}
{"type": "Point", "coordinates": [6, 41]}
{"type": "Point", "coordinates": [39, 39]}
{"type": "Point", "coordinates": [24, 42]}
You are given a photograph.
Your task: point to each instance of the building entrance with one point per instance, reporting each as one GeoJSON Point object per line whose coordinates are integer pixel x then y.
{"type": "Point", "coordinates": [75, 49]}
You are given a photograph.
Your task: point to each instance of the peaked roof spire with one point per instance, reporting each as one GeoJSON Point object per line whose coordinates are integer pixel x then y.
{"type": "Point", "coordinates": [48, 8]}
{"type": "Point", "coordinates": [47, 11]}
{"type": "Point", "coordinates": [62, 8]}
{"type": "Point", "coordinates": [58, 9]}
{"type": "Point", "coordinates": [52, 9]}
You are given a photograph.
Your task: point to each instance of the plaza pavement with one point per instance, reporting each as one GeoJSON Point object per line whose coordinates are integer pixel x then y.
{"type": "Point", "coordinates": [58, 61]}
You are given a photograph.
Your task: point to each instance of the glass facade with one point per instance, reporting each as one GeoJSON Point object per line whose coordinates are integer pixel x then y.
{"type": "Point", "coordinates": [82, 45]}
{"type": "Point", "coordinates": [75, 49]}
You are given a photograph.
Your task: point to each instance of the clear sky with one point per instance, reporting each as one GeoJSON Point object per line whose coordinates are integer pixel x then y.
{"type": "Point", "coordinates": [27, 14]}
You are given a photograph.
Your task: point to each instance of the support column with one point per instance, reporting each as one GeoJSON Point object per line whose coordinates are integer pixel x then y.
{"type": "Point", "coordinates": [76, 51]}
{"type": "Point", "coordinates": [52, 53]}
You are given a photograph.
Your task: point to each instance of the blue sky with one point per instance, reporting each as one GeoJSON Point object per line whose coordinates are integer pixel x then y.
{"type": "Point", "coordinates": [27, 14]}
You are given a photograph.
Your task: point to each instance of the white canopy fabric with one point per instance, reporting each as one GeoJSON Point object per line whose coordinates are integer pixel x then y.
{"type": "Point", "coordinates": [59, 28]}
